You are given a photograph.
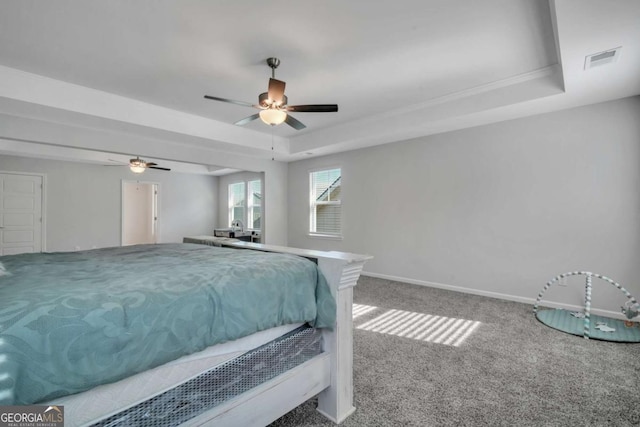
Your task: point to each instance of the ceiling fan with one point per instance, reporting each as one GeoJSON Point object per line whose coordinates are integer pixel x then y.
{"type": "Point", "coordinates": [138, 165]}
{"type": "Point", "coordinates": [273, 104]}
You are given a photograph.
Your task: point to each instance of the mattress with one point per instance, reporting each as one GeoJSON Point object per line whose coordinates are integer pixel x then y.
{"type": "Point", "coordinates": [103, 401]}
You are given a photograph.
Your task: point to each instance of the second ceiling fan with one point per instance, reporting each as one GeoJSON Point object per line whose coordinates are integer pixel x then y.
{"type": "Point", "coordinates": [273, 104]}
{"type": "Point", "coordinates": [138, 165]}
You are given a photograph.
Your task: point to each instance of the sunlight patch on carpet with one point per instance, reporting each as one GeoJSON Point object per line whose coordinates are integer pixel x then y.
{"type": "Point", "coordinates": [422, 327]}
{"type": "Point", "coordinates": [361, 309]}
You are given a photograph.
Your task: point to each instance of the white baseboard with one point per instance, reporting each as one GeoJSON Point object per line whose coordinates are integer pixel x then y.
{"type": "Point", "coordinates": [525, 300]}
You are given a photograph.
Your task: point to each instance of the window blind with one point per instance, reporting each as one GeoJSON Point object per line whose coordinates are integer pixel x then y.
{"type": "Point", "coordinates": [255, 205]}
{"type": "Point", "coordinates": [326, 203]}
{"type": "Point", "coordinates": [236, 202]}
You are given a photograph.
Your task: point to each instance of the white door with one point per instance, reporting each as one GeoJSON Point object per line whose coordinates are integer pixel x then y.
{"type": "Point", "coordinates": [20, 213]}
{"type": "Point", "coordinates": [139, 213]}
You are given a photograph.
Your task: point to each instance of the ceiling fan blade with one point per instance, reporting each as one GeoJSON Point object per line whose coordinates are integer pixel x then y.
{"type": "Point", "coordinates": [276, 90]}
{"type": "Point", "coordinates": [149, 164]}
{"type": "Point", "coordinates": [155, 167]}
{"type": "Point", "coordinates": [294, 123]}
{"type": "Point", "coordinates": [247, 119]}
{"type": "Point", "coordinates": [231, 101]}
{"type": "Point", "coordinates": [313, 108]}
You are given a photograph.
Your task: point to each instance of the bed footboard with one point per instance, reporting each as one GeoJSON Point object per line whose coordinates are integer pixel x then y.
{"type": "Point", "coordinates": [341, 270]}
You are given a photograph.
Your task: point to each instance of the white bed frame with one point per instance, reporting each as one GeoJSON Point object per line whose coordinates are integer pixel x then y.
{"type": "Point", "coordinates": [328, 375]}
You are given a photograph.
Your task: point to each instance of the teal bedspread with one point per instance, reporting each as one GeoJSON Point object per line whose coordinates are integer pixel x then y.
{"type": "Point", "coordinates": [71, 321]}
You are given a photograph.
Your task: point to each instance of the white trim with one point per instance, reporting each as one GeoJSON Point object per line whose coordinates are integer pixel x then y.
{"type": "Point", "coordinates": [507, 297]}
{"type": "Point", "coordinates": [43, 205]}
{"type": "Point", "coordinates": [250, 206]}
{"type": "Point", "coordinates": [463, 94]}
{"type": "Point", "coordinates": [324, 168]}
{"type": "Point", "coordinates": [43, 225]}
{"type": "Point", "coordinates": [122, 183]}
{"type": "Point", "coordinates": [312, 204]}
{"type": "Point", "coordinates": [325, 236]}
{"type": "Point", "coordinates": [32, 88]}
{"type": "Point", "coordinates": [230, 207]}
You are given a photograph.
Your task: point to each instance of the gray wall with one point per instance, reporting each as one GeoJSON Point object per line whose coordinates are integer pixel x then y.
{"type": "Point", "coordinates": [83, 202]}
{"type": "Point", "coordinates": [49, 135]}
{"type": "Point", "coordinates": [497, 209]}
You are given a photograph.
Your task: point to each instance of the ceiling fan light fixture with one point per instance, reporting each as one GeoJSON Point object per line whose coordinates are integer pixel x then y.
{"type": "Point", "coordinates": [137, 165]}
{"type": "Point", "coordinates": [272, 116]}
{"type": "Point", "coordinates": [136, 168]}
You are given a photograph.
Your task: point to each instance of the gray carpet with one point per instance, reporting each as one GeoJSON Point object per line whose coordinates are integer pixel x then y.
{"type": "Point", "coordinates": [510, 371]}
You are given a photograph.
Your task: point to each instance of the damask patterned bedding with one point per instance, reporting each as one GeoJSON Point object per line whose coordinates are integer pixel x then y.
{"type": "Point", "coordinates": [71, 321]}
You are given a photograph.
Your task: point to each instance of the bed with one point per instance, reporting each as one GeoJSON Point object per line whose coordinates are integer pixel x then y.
{"type": "Point", "coordinates": [118, 370]}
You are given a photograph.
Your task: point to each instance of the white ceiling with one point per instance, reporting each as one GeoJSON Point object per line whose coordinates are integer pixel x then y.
{"type": "Point", "coordinates": [398, 70]}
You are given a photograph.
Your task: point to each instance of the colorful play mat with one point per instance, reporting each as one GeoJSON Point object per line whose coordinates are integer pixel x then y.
{"type": "Point", "coordinates": [601, 328]}
{"type": "Point", "coordinates": [583, 323]}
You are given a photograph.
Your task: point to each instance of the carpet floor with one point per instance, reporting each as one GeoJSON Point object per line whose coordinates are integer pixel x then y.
{"type": "Point", "coordinates": [443, 358]}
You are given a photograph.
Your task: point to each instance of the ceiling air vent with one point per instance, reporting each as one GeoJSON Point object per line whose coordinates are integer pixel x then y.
{"type": "Point", "coordinates": [602, 58]}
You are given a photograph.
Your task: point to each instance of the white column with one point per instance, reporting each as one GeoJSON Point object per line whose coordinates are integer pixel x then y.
{"type": "Point", "coordinates": [336, 402]}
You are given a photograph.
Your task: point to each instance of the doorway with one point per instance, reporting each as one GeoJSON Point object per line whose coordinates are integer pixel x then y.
{"type": "Point", "coordinates": [139, 212]}
{"type": "Point", "coordinates": [21, 213]}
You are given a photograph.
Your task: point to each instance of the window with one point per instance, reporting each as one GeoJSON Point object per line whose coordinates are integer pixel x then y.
{"type": "Point", "coordinates": [236, 202]}
{"type": "Point", "coordinates": [245, 204]}
{"type": "Point", "coordinates": [255, 204]}
{"type": "Point", "coordinates": [326, 208]}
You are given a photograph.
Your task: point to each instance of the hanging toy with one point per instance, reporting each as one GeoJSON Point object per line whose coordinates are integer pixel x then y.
{"type": "Point", "coordinates": [630, 309]}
